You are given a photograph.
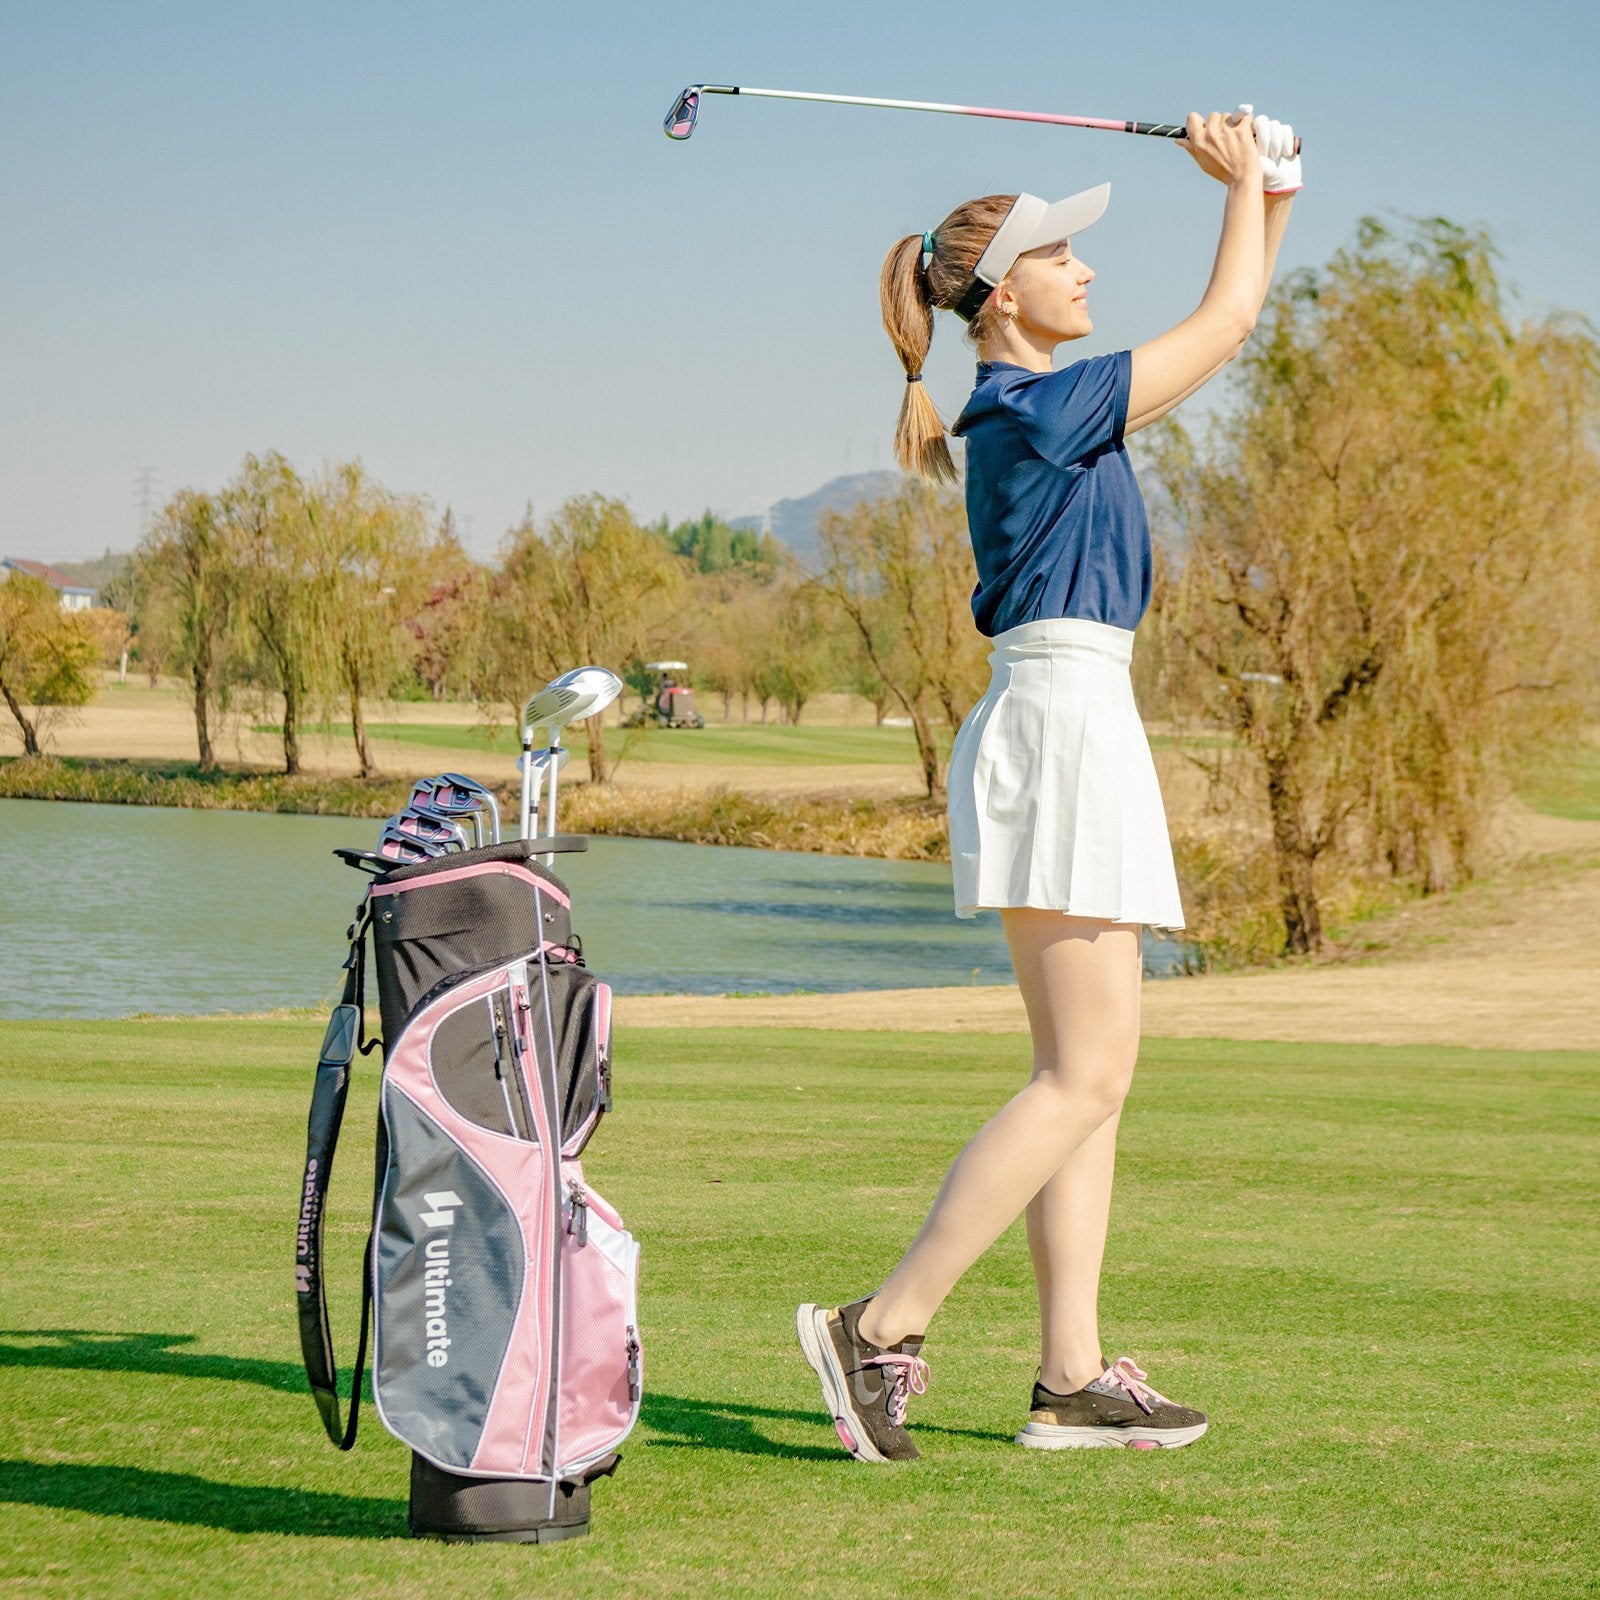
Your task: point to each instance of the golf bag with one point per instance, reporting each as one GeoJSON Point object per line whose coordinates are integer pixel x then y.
{"type": "Point", "coordinates": [502, 1289]}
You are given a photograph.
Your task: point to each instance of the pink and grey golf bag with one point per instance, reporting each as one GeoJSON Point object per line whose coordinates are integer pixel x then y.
{"type": "Point", "coordinates": [502, 1288]}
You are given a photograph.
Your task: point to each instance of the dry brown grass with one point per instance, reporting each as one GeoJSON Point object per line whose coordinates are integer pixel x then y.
{"type": "Point", "coordinates": [900, 828]}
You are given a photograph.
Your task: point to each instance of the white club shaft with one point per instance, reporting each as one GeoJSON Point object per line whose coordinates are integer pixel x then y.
{"type": "Point", "coordinates": [852, 100]}
{"type": "Point", "coordinates": [526, 811]}
{"type": "Point", "coordinates": [555, 773]}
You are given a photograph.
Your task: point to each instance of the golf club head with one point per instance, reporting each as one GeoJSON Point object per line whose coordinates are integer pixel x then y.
{"type": "Point", "coordinates": [570, 698]}
{"type": "Point", "coordinates": [679, 123]}
{"type": "Point", "coordinates": [470, 789]}
{"type": "Point", "coordinates": [449, 795]}
{"type": "Point", "coordinates": [393, 845]}
{"type": "Point", "coordinates": [431, 827]}
{"type": "Point", "coordinates": [541, 761]}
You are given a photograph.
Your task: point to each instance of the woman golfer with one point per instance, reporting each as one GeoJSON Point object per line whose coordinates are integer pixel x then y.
{"type": "Point", "coordinates": [1056, 818]}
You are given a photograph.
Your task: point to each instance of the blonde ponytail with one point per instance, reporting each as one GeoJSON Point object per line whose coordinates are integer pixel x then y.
{"type": "Point", "coordinates": [910, 292]}
{"type": "Point", "coordinates": [908, 320]}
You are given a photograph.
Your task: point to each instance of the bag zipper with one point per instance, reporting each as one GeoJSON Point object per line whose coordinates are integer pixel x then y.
{"type": "Point", "coordinates": [549, 1426]}
{"type": "Point", "coordinates": [578, 1216]}
{"type": "Point", "coordinates": [502, 1033]}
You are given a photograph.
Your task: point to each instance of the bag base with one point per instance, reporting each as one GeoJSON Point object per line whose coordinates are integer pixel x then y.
{"type": "Point", "coordinates": [462, 1510]}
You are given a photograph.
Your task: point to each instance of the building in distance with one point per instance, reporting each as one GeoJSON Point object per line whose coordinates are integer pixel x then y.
{"type": "Point", "coordinates": [74, 595]}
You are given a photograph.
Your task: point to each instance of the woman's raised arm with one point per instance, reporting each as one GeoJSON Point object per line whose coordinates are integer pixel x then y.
{"type": "Point", "coordinates": [1172, 367]}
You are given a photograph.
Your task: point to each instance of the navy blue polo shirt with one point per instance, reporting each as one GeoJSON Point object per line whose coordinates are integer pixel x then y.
{"type": "Point", "coordinates": [1057, 520]}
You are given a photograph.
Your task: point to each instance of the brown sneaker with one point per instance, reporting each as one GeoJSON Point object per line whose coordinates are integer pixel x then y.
{"type": "Point", "coordinates": [1118, 1409]}
{"type": "Point", "coordinates": [865, 1386]}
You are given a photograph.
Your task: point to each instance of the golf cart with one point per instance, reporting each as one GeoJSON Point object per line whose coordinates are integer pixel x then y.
{"type": "Point", "coordinates": [671, 704]}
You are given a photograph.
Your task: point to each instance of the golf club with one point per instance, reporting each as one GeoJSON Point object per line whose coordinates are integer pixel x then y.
{"type": "Point", "coordinates": [468, 790]}
{"type": "Point", "coordinates": [680, 120]}
{"type": "Point", "coordinates": [541, 760]}
{"type": "Point", "coordinates": [445, 796]}
{"type": "Point", "coordinates": [430, 826]}
{"type": "Point", "coordinates": [581, 693]}
{"type": "Point", "coordinates": [403, 847]}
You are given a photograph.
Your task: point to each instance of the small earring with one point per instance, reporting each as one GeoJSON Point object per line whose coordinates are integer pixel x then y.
{"type": "Point", "coordinates": [1011, 311]}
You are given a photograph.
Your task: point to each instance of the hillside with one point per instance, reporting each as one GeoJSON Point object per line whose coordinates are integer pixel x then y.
{"type": "Point", "coordinates": [795, 521]}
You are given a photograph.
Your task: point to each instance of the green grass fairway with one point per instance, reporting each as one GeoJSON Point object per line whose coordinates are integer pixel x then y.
{"type": "Point", "coordinates": [743, 744]}
{"type": "Point", "coordinates": [1571, 788]}
{"type": "Point", "coordinates": [1375, 1268]}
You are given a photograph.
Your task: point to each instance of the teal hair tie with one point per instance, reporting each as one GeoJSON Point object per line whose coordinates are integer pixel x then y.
{"type": "Point", "coordinates": [928, 242]}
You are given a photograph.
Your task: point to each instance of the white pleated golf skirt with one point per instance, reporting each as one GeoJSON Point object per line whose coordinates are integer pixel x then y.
{"type": "Point", "coordinates": [1053, 795]}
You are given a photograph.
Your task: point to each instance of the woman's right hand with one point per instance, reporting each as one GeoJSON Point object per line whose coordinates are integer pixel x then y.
{"type": "Point", "coordinates": [1223, 146]}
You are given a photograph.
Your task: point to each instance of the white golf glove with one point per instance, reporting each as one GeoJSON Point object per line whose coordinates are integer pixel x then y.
{"type": "Point", "coordinates": [1280, 166]}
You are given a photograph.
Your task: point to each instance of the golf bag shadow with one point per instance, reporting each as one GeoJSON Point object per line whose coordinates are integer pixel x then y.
{"type": "Point", "coordinates": [502, 1290]}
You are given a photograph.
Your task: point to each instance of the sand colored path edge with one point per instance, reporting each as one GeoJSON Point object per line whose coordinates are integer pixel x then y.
{"type": "Point", "coordinates": [1485, 1002]}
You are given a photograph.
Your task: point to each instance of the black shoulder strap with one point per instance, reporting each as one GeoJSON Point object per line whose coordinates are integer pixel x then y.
{"type": "Point", "coordinates": [339, 1046]}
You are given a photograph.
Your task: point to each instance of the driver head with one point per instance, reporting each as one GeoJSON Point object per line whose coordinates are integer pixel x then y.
{"type": "Point", "coordinates": [581, 693]}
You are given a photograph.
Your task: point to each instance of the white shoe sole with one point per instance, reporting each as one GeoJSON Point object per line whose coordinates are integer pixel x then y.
{"type": "Point", "coordinates": [811, 1326]}
{"type": "Point", "coordinates": [1046, 1436]}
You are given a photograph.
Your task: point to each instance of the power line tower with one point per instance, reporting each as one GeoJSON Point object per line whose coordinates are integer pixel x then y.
{"type": "Point", "coordinates": [144, 496]}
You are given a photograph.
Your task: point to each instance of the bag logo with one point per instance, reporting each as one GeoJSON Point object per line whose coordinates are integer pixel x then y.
{"type": "Point", "coordinates": [304, 1239]}
{"type": "Point", "coordinates": [436, 1277]}
{"type": "Point", "coordinates": [444, 1205]}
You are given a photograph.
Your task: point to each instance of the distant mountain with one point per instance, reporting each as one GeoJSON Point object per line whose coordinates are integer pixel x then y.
{"type": "Point", "coordinates": [795, 521]}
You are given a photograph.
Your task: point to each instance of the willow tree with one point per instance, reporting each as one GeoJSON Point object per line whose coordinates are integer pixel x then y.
{"type": "Point", "coordinates": [1384, 574]}
{"type": "Point", "coordinates": [367, 548]}
{"type": "Point", "coordinates": [186, 582]}
{"type": "Point", "coordinates": [806, 648]}
{"type": "Point", "coordinates": [593, 587]}
{"type": "Point", "coordinates": [269, 519]}
{"type": "Point", "coordinates": [900, 570]}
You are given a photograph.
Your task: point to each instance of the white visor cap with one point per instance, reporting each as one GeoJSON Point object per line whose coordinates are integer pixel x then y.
{"type": "Point", "coordinates": [1032, 223]}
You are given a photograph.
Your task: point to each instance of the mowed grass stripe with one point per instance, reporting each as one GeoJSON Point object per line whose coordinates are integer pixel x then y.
{"type": "Point", "coordinates": [1374, 1267]}
{"type": "Point", "coordinates": [739, 744]}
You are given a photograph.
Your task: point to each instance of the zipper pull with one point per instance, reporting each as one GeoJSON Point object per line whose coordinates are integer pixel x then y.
{"type": "Point", "coordinates": [578, 1222]}
{"type": "Point", "coordinates": [635, 1376]}
{"type": "Point", "coordinates": [605, 1083]}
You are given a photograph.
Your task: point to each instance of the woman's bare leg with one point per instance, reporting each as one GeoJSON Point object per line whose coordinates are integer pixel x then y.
{"type": "Point", "coordinates": [1067, 1239]}
{"type": "Point", "coordinates": [1079, 978]}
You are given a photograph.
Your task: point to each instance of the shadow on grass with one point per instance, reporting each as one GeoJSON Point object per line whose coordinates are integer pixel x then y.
{"type": "Point", "coordinates": [86, 1350]}
{"type": "Point", "coordinates": [182, 1497]}
{"type": "Point", "coordinates": [718, 1425]}
{"type": "Point", "coordinates": [677, 1421]}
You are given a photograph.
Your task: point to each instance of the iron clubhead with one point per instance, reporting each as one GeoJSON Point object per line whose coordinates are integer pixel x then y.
{"type": "Point", "coordinates": [679, 121]}
{"type": "Point", "coordinates": [403, 848]}
{"type": "Point", "coordinates": [450, 796]}
{"type": "Point", "coordinates": [470, 789]}
{"type": "Point", "coordinates": [432, 826]}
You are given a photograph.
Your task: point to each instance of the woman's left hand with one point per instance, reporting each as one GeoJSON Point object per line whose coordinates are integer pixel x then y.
{"type": "Point", "coordinates": [1280, 165]}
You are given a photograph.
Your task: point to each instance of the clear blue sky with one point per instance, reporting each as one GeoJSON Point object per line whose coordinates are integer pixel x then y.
{"type": "Point", "coordinates": [453, 241]}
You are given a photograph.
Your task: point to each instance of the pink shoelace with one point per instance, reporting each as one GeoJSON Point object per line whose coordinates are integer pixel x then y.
{"type": "Point", "coordinates": [910, 1377]}
{"type": "Point", "coordinates": [1126, 1375]}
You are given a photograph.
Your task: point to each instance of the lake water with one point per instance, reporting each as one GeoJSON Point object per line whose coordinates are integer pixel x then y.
{"type": "Point", "coordinates": [109, 911]}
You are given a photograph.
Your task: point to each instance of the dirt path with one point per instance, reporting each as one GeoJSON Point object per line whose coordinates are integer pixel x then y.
{"type": "Point", "coordinates": [1517, 1004]}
